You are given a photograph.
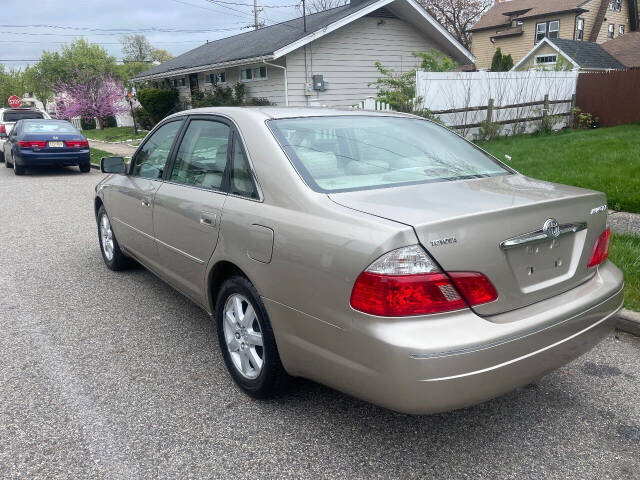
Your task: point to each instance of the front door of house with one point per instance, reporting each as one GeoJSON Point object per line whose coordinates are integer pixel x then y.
{"type": "Point", "coordinates": [193, 82]}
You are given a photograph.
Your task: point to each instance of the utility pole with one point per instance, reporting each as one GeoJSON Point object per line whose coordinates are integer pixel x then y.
{"type": "Point", "coordinates": [304, 15]}
{"type": "Point", "coordinates": [256, 23]}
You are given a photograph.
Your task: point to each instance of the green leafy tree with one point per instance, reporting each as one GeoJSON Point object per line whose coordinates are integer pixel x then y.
{"type": "Point", "coordinates": [500, 62]}
{"type": "Point", "coordinates": [435, 61]}
{"type": "Point", "coordinates": [160, 55]}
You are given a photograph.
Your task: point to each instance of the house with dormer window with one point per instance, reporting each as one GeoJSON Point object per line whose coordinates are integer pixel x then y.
{"type": "Point", "coordinates": [516, 26]}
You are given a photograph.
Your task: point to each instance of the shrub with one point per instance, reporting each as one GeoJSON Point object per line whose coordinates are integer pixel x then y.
{"type": "Point", "coordinates": [220, 96]}
{"type": "Point", "coordinates": [581, 119]}
{"type": "Point", "coordinates": [259, 102]}
{"type": "Point", "coordinates": [158, 102]}
{"type": "Point", "coordinates": [88, 123]}
{"type": "Point", "coordinates": [488, 131]}
{"type": "Point", "coordinates": [500, 62]}
{"type": "Point", "coordinates": [143, 119]}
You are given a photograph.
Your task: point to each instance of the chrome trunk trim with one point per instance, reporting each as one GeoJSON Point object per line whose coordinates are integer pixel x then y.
{"type": "Point", "coordinates": [540, 236]}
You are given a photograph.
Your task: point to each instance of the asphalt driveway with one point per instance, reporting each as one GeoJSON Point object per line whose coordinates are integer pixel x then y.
{"type": "Point", "coordinates": [115, 375]}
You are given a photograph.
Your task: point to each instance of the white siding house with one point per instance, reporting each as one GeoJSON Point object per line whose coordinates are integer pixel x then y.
{"type": "Point", "coordinates": [341, 44]}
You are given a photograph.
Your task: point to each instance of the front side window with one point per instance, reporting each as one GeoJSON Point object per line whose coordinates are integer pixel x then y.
{"type": "Point", "coordinates": [202, 157]}
{"type": "Point", "coordinates": [611, 30]}
{"type": "Point", "coordinates": [580, 29]}
{"type": "Point", "coordinates": [150, 160]}
{"type": "Point", "coordinates": [345, 153]}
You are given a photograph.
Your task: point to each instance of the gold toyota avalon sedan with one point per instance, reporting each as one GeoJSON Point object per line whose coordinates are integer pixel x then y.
{"type": "Point", "coordinates": [377, 253]}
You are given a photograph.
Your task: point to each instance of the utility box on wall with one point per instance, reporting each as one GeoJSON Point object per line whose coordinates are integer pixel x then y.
{"type": "Point", "coordinates": [319, 84]}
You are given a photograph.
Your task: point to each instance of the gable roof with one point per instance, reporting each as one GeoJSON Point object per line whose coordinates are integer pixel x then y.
{"type": "Point", "coordinates": [626, 49]}
{"type": "Point", "coordinates": [274, 41]}
{"type": "Point", "coordinates": [584, 55]}
{"type": "Point", "coordinates": [498, 15]}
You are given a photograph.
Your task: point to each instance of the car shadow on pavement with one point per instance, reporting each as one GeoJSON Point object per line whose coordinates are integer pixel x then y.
{"type": "Point", "coordinates": [51, 171]}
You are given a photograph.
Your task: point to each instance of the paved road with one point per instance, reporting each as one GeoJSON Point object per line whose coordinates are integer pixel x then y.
{"type": "Point", "coordinates": [115, 375]}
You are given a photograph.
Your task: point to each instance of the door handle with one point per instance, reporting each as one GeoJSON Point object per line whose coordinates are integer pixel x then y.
{"type": "Point", "coordinates": [208, 219]}
{"type": "Point", "coordinates": [144, 202]}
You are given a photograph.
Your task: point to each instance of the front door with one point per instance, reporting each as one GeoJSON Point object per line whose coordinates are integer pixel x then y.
{"type": "Point", "coordinates": [130, 203]}
{"type": "Point", "coordinates": [193, 82]}
{"type": "Point", "coordinates": [188, 206]}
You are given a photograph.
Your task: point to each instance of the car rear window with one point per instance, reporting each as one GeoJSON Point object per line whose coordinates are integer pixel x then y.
{"type": "Point", "coordinates": [51, 126]}
{"type": "Point", "coordinates": [15, 116]}
{"type": "Point", "coordinates": [346, 153]}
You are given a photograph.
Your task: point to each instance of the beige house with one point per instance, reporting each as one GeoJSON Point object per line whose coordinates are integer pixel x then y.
{"type": "Point", "coordinates": [329, 59]}
{"type": "Point", "coordinates": [517, 26]}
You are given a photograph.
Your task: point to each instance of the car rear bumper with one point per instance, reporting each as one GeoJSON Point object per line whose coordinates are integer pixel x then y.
{"type": "Point", "coordinates": [31, 158]}
{"type": "Point", "coordinates": [442, 362]}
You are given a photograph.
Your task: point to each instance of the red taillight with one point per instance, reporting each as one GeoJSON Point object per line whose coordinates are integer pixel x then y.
{"type": "Point", "coordinates": [3, 129]}
{"type": "Point", "coordinates": [32, 144]}
{"type": "Point", "coordinates": [77, 143]}
{"type": "Point", "coordinates": [407, 295]}
{"type": "Point", "coordinates": [407, 282]}
{"type": "Point", "coordinates": [600, 249]}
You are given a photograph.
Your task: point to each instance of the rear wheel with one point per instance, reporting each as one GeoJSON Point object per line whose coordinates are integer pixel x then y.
{"type": "Point", "coordinates": [1, 156]}
{"type": "Point", "coordinates": [84, 167]}
{"type": "Point", "coordinates": [18, 169]}
{"type": "Point", "coordinates": [246, 340]}
{"type": "Point", "coordinates": [113, 257]}
{"type": "Point", "coordinates": [7, 163]}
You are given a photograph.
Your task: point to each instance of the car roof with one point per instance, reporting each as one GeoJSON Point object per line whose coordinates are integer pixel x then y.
{"type": "Point", "coordinates": [289, 112]}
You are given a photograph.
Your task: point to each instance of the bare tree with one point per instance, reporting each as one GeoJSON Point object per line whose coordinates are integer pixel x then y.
{"type": "Point", "coordinates": [457, 16]}
{"type": "Point", "coordinates": [136, 48]}
{"type": "Point", "coordinates": [313, 6]}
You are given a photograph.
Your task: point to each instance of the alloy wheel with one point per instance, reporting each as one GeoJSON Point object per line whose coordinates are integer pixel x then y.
{"type": "Point", "coordinates": [106, 237]}
{"type": "Point", "coordinates": [243, 336]}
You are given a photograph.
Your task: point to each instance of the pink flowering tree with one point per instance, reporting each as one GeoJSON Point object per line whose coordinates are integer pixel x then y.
{"type": "Point", "coordinates": [90, 96]}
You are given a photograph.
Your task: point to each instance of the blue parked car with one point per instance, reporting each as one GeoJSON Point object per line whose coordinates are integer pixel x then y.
{"type": "Point", "coordinates": [42, 142]}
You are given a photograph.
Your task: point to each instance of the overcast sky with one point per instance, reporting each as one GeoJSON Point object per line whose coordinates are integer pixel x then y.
{"type": "Point", "coordinates": [29, 26]}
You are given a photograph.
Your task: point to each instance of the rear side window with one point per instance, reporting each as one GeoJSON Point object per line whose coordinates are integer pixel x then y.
{"type": "Point", "coordinates": [241, 178]}
{"type": "Point", "coordinates": [15, 116]}
{"type": "Point", "coordinates": [202, 157]}
{"type": "Point", "coordinates": [337, 154]}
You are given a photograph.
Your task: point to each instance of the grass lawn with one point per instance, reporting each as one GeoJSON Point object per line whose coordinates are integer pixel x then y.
{"type": "Point", "coordinates": [113, 134]}
{"type": "Point", "coordinates": [625, 253]}
{"type": "Point", "coordinates": [605, 159]}
{"type": "Point", "coordinates": [96, 155]}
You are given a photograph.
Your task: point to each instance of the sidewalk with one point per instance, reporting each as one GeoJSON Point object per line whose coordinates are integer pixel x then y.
{"type": "Point", "coordinates": [624, 222]}
{"type": "Point", "coordinates": [121, 149]}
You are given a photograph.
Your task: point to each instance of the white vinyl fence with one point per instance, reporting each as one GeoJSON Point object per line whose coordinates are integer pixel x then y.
{"type": "Point", "coordinates": [514, 102]}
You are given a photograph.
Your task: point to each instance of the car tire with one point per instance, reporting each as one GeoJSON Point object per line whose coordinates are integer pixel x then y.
{"type": "Point", "coordinates": [240, 339]}
{"type": "Point", "coordinates": [85, 167]}
{"type": "Point", "coordinates": [1, 156]}
{"type": "Point", "coordinates": [113, 257]}
{"type": "Point", "coordinates": [7, 163]}
{"type": "Point", "coordinates": [18, 169]}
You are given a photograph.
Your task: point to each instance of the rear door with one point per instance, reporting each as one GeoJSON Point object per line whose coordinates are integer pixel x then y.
{"type": "Point", "coordinates": [130, 202]}
{"type": "Point", "coordinates": [188, 206]}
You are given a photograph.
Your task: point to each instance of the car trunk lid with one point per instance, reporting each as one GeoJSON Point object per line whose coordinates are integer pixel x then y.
{"type": "Point", "coordinates": [464, 225]}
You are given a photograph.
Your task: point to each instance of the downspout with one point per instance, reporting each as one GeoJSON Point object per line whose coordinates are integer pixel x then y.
{"type": "Point", "coordinates": [286, 82]}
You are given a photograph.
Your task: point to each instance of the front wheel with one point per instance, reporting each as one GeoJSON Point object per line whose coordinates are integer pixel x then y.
{"type": "Point", "coordinates": [246, 340]}
{"type": "Point", "coordinates": [113, 257]}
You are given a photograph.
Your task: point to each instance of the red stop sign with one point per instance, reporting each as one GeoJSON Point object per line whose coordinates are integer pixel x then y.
{"type": "Point", "coordinates": [14, 101]}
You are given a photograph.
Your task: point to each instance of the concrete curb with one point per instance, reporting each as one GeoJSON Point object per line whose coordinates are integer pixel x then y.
{"type": "Point", "coordinates": [629, 321]}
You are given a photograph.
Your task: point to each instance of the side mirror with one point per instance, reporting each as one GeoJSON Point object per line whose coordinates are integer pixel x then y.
{"type": "Point", "coordinates": [112, 165]}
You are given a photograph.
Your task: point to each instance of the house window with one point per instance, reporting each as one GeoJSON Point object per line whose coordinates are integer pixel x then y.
{"type": "Point", "coordinates": [215, 78]}
{"type": "Point", "coordinates": [546, 59]}
{"type": "Point", "coordinates": [620, 30]}
{"type": "Point", "coordinates": [615, 5]}
{"type": "Point", "coordinates": [612, 29]}
{"type": "Point", "coordinates": [257, 73]}
{"type": "Point", "coordinates": [580, 29]}
{"type": "Point", "coordinates": [547, 29]}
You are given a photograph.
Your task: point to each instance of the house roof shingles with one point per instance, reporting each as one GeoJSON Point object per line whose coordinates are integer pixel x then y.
{"type": "Point", "coordinates": [498, 15]}
{"type": "Point", "coordinates": [256, 43]}
{"type": "Point", "coordinates": [588, 55]}
{"type": "Point", "coordinates": [626, 49]}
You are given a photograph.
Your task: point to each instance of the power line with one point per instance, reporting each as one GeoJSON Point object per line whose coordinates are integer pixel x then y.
{"type": "Point", "coordinates": [251, 5]}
